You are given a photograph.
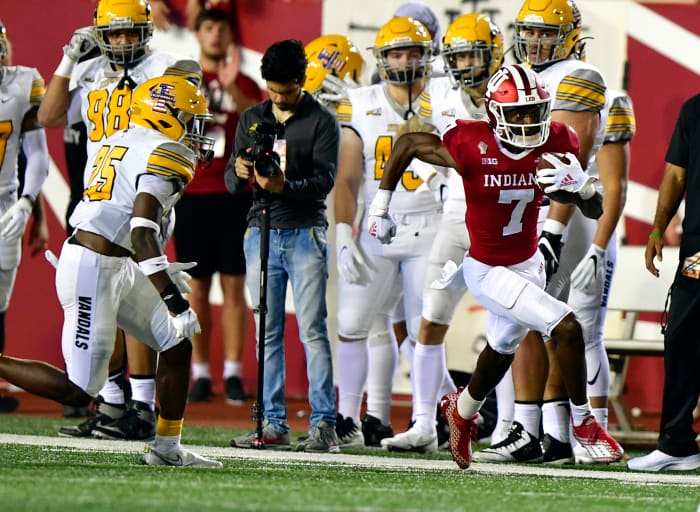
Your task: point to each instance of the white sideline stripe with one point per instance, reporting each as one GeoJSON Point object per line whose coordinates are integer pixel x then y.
{"type": "Point", "coordinates": [668, 38]}
{"type": "Point", "coordinates": [366, 461]}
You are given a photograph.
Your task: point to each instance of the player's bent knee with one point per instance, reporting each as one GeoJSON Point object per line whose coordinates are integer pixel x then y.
{"type": "Point", "coordinates": [568, 329]}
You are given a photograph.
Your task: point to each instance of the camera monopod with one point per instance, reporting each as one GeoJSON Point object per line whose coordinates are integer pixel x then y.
{"type": "Point", "coordinates": [261, 310]}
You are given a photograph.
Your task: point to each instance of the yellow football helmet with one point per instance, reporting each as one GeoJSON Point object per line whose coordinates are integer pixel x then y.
{"type": "Point", "coordinates": [4, 44]}
{"type": "Point", "coordinates": [475, 35]}
{"type": "Point", "coordinates": [561, 17]}
{"type": "Point", "coordinates": [403, 32]}
{"type": "Point", "coordinates": [175, 107]}
{"type": "Point", "coordinates": [128, 15]}
{"type": "Point", "coordinates": [331, 54]}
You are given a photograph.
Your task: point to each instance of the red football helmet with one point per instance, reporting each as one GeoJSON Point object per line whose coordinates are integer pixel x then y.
{"type": "Point", "coordinates": [518, 106]}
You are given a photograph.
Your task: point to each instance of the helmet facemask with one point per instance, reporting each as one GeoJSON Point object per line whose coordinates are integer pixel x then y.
{"type": "Point", "coordinates": [533, 51]}
{"type": "Point", "coordinates": [194, 138]}
{"type": "Point", "coordinates": [128, 53]}
{"type": "Point", "coordinates": [408, 72]}
{"type": "Point", "coordinates": [478, 70]}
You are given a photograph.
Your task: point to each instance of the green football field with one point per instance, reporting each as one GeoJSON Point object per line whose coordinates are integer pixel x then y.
{"type": "Point", "coordinates": [40, 471]}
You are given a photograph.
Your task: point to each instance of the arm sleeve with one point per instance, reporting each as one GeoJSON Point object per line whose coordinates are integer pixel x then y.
{"type": "Point", "coordinates": [37, 152]}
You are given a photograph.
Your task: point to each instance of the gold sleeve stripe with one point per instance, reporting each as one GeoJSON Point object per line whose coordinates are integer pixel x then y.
{"type": "Point", "coordinates": [171, 165]}
{"type": "Point", "coordinates": [38, 90]}
{"type": "Point", "coordinates": [343, 112]}
{"type": "Point", "coordinates": [425, 109]}
{"type": "Point", "coordinates": [581, 91]}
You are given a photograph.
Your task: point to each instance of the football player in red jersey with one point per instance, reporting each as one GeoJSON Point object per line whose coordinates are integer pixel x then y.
{"type": "Point", "coordinates": [503, 269]}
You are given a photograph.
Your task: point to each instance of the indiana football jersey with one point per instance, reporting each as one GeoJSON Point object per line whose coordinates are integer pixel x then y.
{"type": "Point", "coordinates": [376, 119]}
{"type": "Point", "coordinates": [578, 86]}
{"type": "Point", "coordinates": [621, 125]}
{"type": "Point", "coordinates": [21, 89]}
{"type": "Point", "coordinates": [96, 100]}
{"type": "Point", "coordinates": [501, 189]}
{"type": "Point", "coordinates": [448, 104]}
{"type": "Point", "coordinates": [128, 162]}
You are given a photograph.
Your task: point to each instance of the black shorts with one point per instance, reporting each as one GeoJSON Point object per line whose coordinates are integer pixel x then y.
{"type": "Point", "coordinates": [209, 229]}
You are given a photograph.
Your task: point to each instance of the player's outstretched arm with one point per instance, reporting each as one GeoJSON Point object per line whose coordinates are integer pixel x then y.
{"type": "Point", "coordinates": [424, 146]}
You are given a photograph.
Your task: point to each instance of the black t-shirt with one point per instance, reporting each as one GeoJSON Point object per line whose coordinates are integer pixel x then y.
{"type": "Point", "coordinates": [684, 151]}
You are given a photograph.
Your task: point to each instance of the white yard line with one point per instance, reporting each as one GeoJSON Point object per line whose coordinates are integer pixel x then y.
{"type": "Point", "coordinates": [367, 461]}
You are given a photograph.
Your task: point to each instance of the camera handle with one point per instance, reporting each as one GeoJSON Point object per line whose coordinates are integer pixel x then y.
{"type": "Point", "coordinates": [261, 310]}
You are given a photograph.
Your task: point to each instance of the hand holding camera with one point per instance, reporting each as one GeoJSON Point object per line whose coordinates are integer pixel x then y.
{"type": "Point", "coordinates": [261, 158]}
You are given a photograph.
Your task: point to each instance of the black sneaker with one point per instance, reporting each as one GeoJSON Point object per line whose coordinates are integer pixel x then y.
{"type": "Point", "coordinates": [519, 446]}
{"type": "Point", "coordinates": [137, 424]}
{"type": "Point", "coordinates": [443, 431]}
{"type": "Point", "coordinates": [349, 434]}
{"type": "Point", "coordinates": [373, 431]}
{"type": "Point", "coordinates": [556, 452]}
{"type": "Point", "coordinates": [234, 391]}
{"type": "Point", "coordinates": [104, 414]}
{"type": "Point", "coordinates": [73, 411]}
{"type": "Point", "coordinates": [8, 403]}
{"type": "Point", "coordinates": [200, 391]}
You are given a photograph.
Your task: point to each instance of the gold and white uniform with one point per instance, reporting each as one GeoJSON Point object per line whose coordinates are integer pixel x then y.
{"type": "Point", "coordinates": [452, 240]}
{"type": "Point", "coordinates": [21, 90]}
{"type": "Point", "coordinates": [99, 293]}
{"type": "Point", "coordinates": [376, 118]}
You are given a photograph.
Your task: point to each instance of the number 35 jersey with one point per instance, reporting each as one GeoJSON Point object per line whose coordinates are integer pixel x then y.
{"type": "Point", "coordinates": [369, 113]}
{"type": "Point", "coordinates": [96, 100]}
{"type": "Point", "coordinates": [21, 89]}
{"type": "Point", "coordinates": [127, 163]}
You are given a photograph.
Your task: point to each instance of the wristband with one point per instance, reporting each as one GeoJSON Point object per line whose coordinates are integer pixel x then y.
{"type": "Point", "coordinates": [553, 226]}
{"type": "Point", "coordinates": [174, 301]}
{"type": "Point", "coordinates": [656, 234]}
{"type": "Point", "coordinates": [65, 67]}
{"type": "Point", "coordinates": [29, 198]}
{"type": "Point", "coordinates": [154, 265]}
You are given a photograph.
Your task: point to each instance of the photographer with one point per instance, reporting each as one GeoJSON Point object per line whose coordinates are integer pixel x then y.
{"type": "Point", "coordinates": [287, 149]}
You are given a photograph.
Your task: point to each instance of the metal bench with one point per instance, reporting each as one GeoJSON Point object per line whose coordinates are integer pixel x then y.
{"type": "Point", "coordinates": [634, 290]}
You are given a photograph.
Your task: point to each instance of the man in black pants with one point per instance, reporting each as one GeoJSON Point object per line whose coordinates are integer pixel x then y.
{"type": "Point", "coordinates": [677, 449]}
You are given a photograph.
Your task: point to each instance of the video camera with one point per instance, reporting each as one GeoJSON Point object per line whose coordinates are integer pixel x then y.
{"type": "Point", "coordinates": [263, 154]}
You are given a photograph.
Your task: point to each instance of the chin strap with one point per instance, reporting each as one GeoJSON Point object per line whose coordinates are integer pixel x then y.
{"type": "Point", "coordinates": [126, 80]}
{"type": "Point", "coordinates": [409, 113]}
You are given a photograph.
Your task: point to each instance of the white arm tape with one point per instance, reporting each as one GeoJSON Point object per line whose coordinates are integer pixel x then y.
{"type": "Point", "coordinates": [154, 265]}
{"type": "Point", "coordinates": [142, 222]}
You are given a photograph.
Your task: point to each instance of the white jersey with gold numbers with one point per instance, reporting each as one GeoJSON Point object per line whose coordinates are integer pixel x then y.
{"type": "Point", "coordinates": [21, 89]}
{"type": "Point", "coordinates": [129, 162]}
{"type": "Point", "coordinates": [376, 119]}
{"type": "Point", "coordinates": [99, 103]}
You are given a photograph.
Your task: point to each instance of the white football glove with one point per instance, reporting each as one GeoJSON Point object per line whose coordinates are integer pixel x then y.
{"type": "Point", "coordinates": [587, 272]}
{"type": "Point", "coordinates": [14, 220]}
{"type": "Point", "coordinates": [567, 177]}
{"type": "Point", "coordinates": [186, 324]}
{"type": "Point", "coordinates": [349, 257]}
{"type": "Point", "coordinates": [336, 89]}
{"type": "Point", "coordinates": [177, 273]}
{"type": "Point", "coordinates": [81, 43]}
{"type": "Point", "coordinates": [380, 224]}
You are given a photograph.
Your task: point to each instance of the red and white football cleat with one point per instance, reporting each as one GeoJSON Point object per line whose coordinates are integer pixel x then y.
{"type": "Point", "coordinates": [462, 431]}
{"type": "Point", "coordinates": [601, 446]}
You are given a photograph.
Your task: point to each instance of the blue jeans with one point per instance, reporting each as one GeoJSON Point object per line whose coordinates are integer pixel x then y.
{"type": "Point", "coordinates": [299, 256]}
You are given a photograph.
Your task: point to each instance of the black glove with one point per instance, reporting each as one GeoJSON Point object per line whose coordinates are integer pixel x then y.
{"type": "Point", "coordinates": [550, 246]}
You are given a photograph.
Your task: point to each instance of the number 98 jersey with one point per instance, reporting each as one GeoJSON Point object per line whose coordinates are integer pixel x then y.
{"type": "Point", "coordinates": [96, 100]}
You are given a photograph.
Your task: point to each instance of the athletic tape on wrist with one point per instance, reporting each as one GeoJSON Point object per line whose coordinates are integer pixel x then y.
{"type": "Point", "coordinates": [174, 301]}
{"type": "Point", "coordinates": [154, 265]}
{"type": "Point", "coordinates": [65, 67]}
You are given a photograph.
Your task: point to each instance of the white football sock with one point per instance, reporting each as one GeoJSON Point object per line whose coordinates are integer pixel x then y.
{"type": "Point", "coordinates": [528, 414]}
{"type": "Point", "coordinates": [383, 359]}
{"type": "Point", "coordinates": [429, 369]}
{"type": "Point", "coordinates": [555, 420]}
{"type": "Point", "coordinates": [352, 375]}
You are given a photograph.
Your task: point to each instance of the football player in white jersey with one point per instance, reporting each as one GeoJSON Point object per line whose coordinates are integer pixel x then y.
{"type": "Point", "coordinates": [372, 117]}
{"type": "Point", "coordinates": [548, 39]}
{"type": "Point", "coordinates": [112, 272]}
{"type": "Point", "coordinates": [21, 91]}
{"type": "Point", "coordinates": [98, 92]}
{"type": "Point", "coordinates": [472, 50]}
